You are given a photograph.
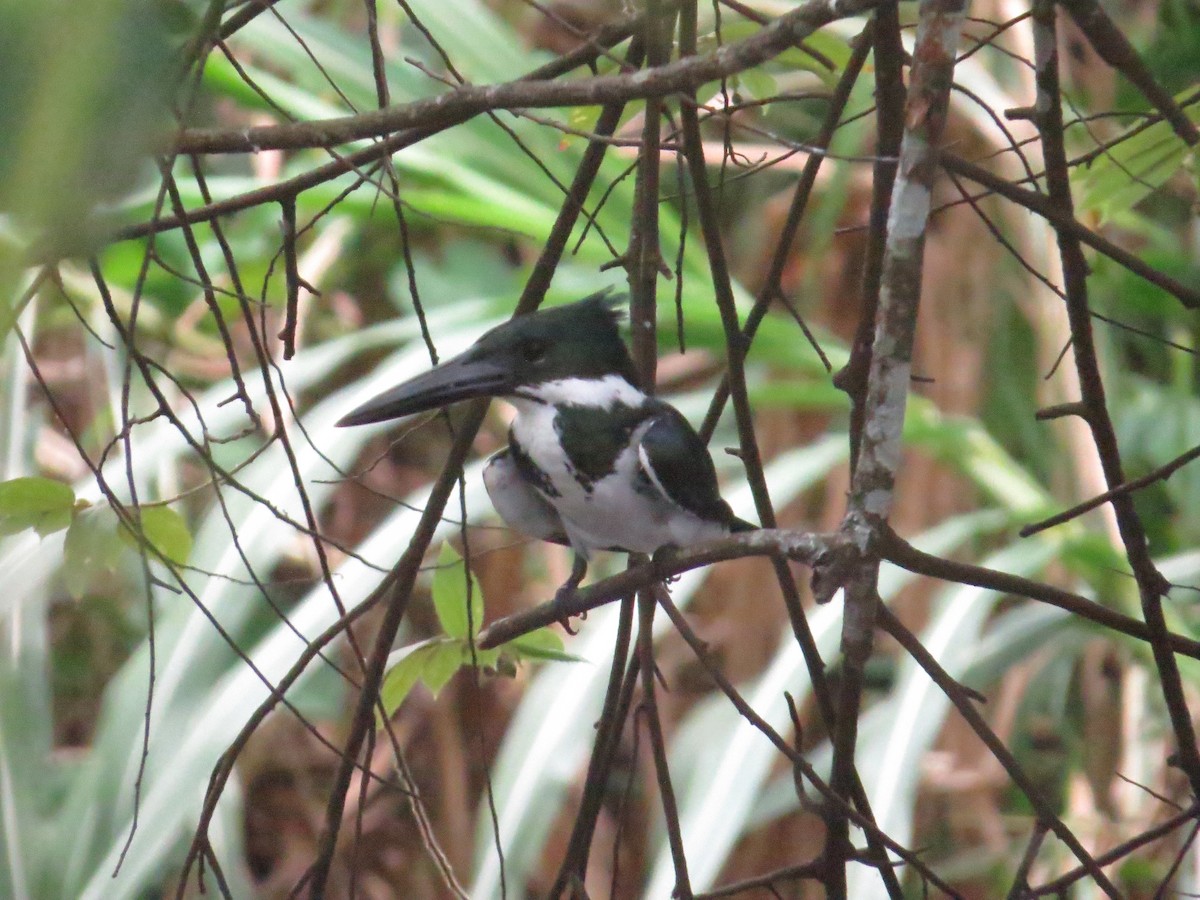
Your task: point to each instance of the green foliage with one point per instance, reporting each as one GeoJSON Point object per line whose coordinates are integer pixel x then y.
{"type": "Point", "coordinates": [1141, 161]}
{"type": "Point", "coordinates": [92, 550]}
{"type": "Point", "coordinates": [96, 539]}
{"type": "Point", "coordinates": [544, 645]}
{"type": "Point", "coordinates": [43, 504]}
{"type": "Point", "coordinates": [431, 663]}
{"type": "Point", "coordinates": [457, 597]}
{"type": "Point", "coordinates": [458, 602]}
{"type": "Point", "coordinates": [166, 531]}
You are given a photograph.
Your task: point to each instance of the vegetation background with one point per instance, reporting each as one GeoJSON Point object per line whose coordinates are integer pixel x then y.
{"type": "Point", "coordinates": [185, 530]}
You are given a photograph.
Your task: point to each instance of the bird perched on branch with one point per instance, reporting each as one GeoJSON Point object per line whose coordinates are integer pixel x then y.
{"type": "Point", "coordinates": [592, 461]}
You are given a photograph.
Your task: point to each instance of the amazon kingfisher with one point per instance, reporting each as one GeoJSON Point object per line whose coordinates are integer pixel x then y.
{"type": "Point", "coordinates": [592, 461]}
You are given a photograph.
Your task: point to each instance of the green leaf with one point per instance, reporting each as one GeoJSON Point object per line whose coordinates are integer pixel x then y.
{"type": "Point", "coordinates": [1136, 165]}
{"type": "Point", "coordinates": [445, 659]}
{"type": "Point", "coordinates": [432, 662]}
{"type": "Point", "coordinates": [453, 584]}
{"type": "Point", "coordinates": [103, 107]}
{"type": "Point", "coordinates": [485, 658]}
{"type": "Point", "coordinates": [166, 531]}
{"type": "Point", "coordinates": [544, 643]}
{"type": "Point", "coordinates": [92, 549]}
{"type": "Point", "coordinates": [43, 504]}
{"type": "Point", "coordinates": [404, 671]}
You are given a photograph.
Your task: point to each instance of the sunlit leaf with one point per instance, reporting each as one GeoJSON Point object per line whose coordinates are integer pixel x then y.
{"type": "Point", "coordinates": [433, 663]}
{"type": "Point", "coordinates": [445, 658]}
{"type": "Point", "coordinates": [758, 84]}
{"type": "Point", "coordinates": [43, 504]}
{"type": "Point", "coordinates": [405, 667]}
{"type": "Point", "coordinates": [453, 587]}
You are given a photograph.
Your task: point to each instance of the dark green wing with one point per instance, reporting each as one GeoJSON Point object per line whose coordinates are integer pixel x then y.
{"type": "Point", "coordinates": [676, 462]}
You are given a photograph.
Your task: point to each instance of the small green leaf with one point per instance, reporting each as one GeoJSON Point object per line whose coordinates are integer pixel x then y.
{"type": "Point", "coordinates": [541, 644]}
{"type": "Point", "coordinates": [166, 531]}
{"type": "Point", "coordinates": [485, 659]}
{"type": "Point", "coordinates": [432, 662]}
{"type": "Point", "coordinates": [43, 504]}
{"type": "Point", "coordinates": [446, 659]}
{"type": "Point", "coordinates": [583, 118]}
{"type": "Point", "coordinates": [404, 671]}
{"type": "Point", "coordinates": [452, 584]}
{"type": "Point", "coordinates": [92, 549]}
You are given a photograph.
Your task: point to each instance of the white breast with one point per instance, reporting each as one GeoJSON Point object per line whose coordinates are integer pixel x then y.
{"type": "Point", "coordinates": [612, 513]}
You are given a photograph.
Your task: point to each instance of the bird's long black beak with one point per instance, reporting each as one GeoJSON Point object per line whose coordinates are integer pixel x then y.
{"type": "Point", "coordinates": [460, 378]}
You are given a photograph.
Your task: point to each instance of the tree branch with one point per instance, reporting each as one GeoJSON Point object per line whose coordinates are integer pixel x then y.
{"type": "Point", "coordinates": [1065, 222]}
{"type": "Point", "coordinates": [463, 103]}
{"type": "Point", "coordinates": [896, 550]}
{"type": "Point", "coordinates": [956, 695]}
{"type": "Point", "coordinates": [666, 564]}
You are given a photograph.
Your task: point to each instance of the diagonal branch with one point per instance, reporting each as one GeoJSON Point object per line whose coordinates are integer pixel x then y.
{"type": "Point", "coordinates": [1162, 473]}
{"type": "Point", "coordinates": [1114, 48]}
{"type": "Point", "coordinates": [1065, 222]}
{"type": "Point", "coordinates": [962, 702]}
{"type": "Point", "coordinates": [1059, 886]}
{"type": "Point", "coordinates": [462, 103]}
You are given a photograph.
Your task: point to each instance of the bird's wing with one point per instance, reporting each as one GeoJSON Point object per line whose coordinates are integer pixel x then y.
{"type": "Point", "coordinates": [677, 464]}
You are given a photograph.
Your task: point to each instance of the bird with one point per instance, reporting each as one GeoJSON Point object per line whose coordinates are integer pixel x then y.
{"type": "Point", "coordinates": [592, 462]}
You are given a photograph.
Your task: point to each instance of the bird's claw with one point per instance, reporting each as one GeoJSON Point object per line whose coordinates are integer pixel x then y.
{"type": "Point", "coordinates": [563, 596]}
{"type": "Point", "coordinates": [565, 622]}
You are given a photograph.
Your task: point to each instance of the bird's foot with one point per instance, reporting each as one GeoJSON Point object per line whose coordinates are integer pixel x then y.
{"type": "Point", "coordinates": [566, 593]}
{"type": "Point", "coordinates": [565, 622]}
{"type": "Point", "coordinates": [565, 596]}
{"type": "Point", "coordinates": [662, 558]}
{"type": "Point", "coordinates": [562, 597]}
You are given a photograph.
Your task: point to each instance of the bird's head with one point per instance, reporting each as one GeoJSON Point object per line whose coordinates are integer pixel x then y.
{"type": "Point", "coordinates": [580, 340]}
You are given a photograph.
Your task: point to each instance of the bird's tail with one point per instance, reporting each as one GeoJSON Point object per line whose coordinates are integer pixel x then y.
{"type": "Point", "coordinates": [737, 525]}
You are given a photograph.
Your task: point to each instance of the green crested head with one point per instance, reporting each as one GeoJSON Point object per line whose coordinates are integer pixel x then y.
{"type": "Point", "coordinates": [580, 340]}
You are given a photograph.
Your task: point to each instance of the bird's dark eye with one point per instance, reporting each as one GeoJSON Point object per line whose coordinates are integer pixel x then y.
{"type": "Point", "coordinates": [534, 350]}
